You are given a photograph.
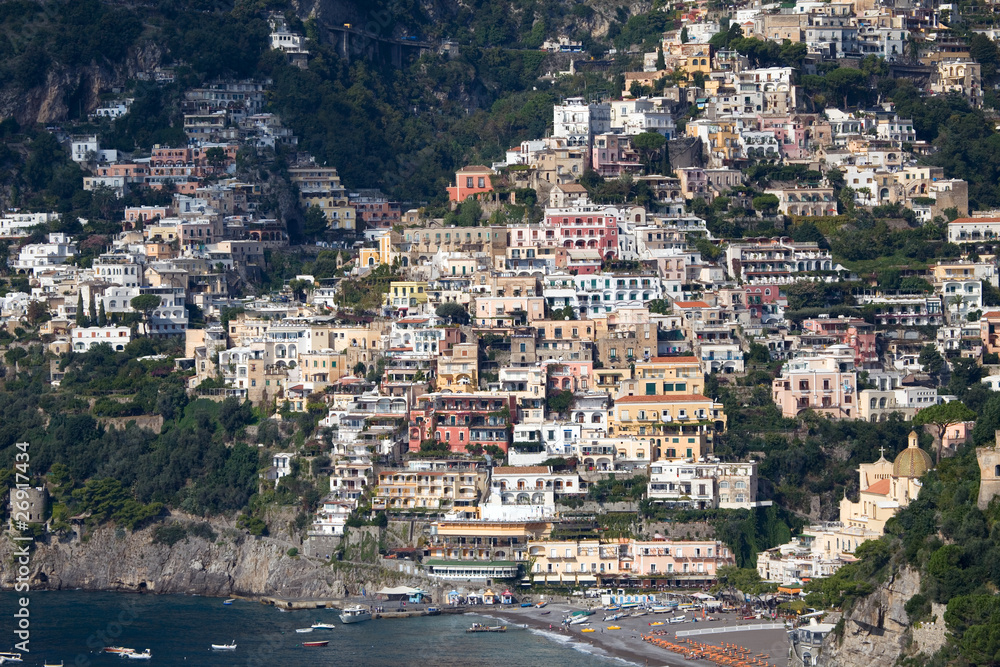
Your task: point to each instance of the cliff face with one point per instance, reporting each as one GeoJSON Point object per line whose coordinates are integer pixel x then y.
{"type": "Point", "coordinates": [877, 630]}
{"type": "Point", "coordinates": [234, 564]}
{"type": "Point", "coordinates": [80, 87]}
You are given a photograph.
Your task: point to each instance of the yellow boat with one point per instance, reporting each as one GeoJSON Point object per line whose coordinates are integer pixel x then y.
{"type": "Point", "coordinates": [587, 630]}
{"type": "Point", "coordinates": [614, 627]}
{"type": "Point", "coordinates": [657, 623]}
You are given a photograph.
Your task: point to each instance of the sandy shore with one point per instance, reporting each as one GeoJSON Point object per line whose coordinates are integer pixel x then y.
{"type": "Point", "coordinates": [627, 644]}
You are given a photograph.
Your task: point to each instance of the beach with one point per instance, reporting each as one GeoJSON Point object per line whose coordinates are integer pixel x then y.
{"type": "Point", "coordinates": [627, 644]}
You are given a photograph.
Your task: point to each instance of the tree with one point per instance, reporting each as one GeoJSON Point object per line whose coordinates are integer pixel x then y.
{"type": "Point", "coordinates": [766, 203]}
{"type": "Point", "coordinates": [456, 312]}
{"type": "Point", "coordinates": [661, 63]}
{"type": "Point", "coordinates": [36, 311]}
{"type": "Point", "coordinates": [81, 314]}
{"type": "Point", "coordinates": [684, 35]}
{"type": "Point", "coordinates": [146, 304]}
{"type": "Point", "coordinates": [102, 315]}
{"type": "Point", "coordinates": [564, 313]}
{"type": "Point", "coordinates": [92, 310]}
{"type": "Point", "coordinates": [234, 414]}
{"type": "Point", "coordinates": [931, 360]}
{"type": "Point", "coordinates": [315, 223]}
{"type": "Point", "coordinates": [844, 81]}
{"type": "Point", "coordinates": [559, 401]}
{"type": "Point", "coordinates": [649, 145]}
{"type": "Point", "coordinates": [216, 156]}
{"type": "Point", "coordinates": [941, 416]}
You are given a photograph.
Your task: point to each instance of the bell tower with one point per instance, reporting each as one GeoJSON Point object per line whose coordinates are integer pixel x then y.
{"type": "Point", "coordinates": [989, 472]}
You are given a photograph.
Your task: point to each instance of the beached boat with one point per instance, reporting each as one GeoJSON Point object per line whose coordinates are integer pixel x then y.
{"type": "Point", "coordinates": [323, 643]}
{"type": "Point", "coordinates": [614, 627]}
{"type": "Point", "coordinates": [677, 619]}
{"type": "Point", "coordinates": [587, 630]}
{"type": "Point", "coordinates": [479, 627]}
{"type": "Point", "coordinates": [117, 649]}
{"type": "Point", "coordinates": [541, 604]}
{"type": "Point", "coordinates": [582, 612]}
{"type": "Point", "coordinates": [526, 604]}
{"type": "Point", "coordinates": [230, 601]}
{"type": "Point", "coordinates": [322, 626]}
{"type": "Point", "coordinates": [145, 655]}
{"type": "Point", "coordinates": [224, 647]}
{"type": "Point", "coordinates": [579, 620]}
{"type": "Point", "coordinates": [301, 630]}
{"type": "Point", "coordinates": [355, 614]}
{"type": "Point", "coordinates": [657, 623]}
{"type": "Point", "coordinates": [614, 617]}
{"type": "Point", "coordinates": [544, 613]}
{"type": "Point", "coordinates": [660, 609]}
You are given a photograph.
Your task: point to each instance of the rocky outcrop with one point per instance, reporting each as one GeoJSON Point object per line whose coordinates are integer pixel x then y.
{"type": "Point", "coordinates": [233, 564]}
{"type": "Point", "coordinates": [79, 86]}
{"type": "Point", "coordinates": [877, 630]}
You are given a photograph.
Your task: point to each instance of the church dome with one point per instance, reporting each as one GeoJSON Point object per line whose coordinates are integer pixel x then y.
{"type": "Point", "coordinates": [912, 461]}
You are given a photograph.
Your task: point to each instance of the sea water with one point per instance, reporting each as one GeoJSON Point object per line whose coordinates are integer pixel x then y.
{"type": "Point", "coordinates": [73, 626]}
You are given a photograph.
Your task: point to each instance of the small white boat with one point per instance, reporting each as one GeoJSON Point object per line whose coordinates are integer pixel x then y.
{"type": "Point", "coordinates": [118, 649]}
{"type": "Point", "coordinates": [229, 601]}
{"type": "Point", "coordinates": [52, 664]}
{"type": "Point", "coordinates": [355, 614]}
{"type": "Point", "coordinates": [303, 630]}
{"type": "Point", "coordinates": [145, 655]}
{"type": "Point", "coordinates": [10, 658]}
{"type": "Point", "coordinates": [224, 647]}
{"type": "Point", "coordinates": [323, 626]}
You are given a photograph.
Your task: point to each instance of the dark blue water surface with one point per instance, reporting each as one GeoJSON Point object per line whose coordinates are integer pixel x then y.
{"type": "Point", "coordinates": [73, 626]}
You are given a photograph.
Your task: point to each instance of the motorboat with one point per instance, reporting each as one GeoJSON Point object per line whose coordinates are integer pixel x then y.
{"type": "Point", "coordinates": [579, 620]}
{"type": "Point", "coordinates": [677, 619]}
{"type": "Point", "coordinates": [355, 614]}
{"type": "Point", "coordinates": [302, 630]}
{"type": "Point", "coordinates": [10, 658]}
{"type": "Point", "coordinates": [117, 649]}
{"type": "Point", "coordinates": [479, 627]}
{"type": "Point", "coordinates": [322, 643]}
{"type": "Point", "coordinates": [433, 611]}
{"type": "Point", "coordinates": [224, 647]}
{"type": "Point", "coordinates": [323, 626]}
{"type": "Point", "coordinates": [230, 601]}
{"type": "Point", "coordinates": [614, 617]}
{"type": "Point", "coordinates": [145, 655]}
{"type": "Point", "coordinates": [541, 604]}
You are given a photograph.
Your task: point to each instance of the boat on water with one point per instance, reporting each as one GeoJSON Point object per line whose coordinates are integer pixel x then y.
{"type": "Point", "coordinates": [230, 601]}
{"type": "Point", "coordinates": [303, 630]}
{"type": "Point", "coordinates": [433, 611]}
{"type": "Point", "coordinates": [355, 614]}
{"type": "Point", "coordinates": [145, 655]}
{"type": "Point", "coordinates": [117, 649]}
{"type": "Point", "coordinates": [479, 627]}
{"type": "Point", "coordinates": [322, 643]}
{"type": "Point", "coordinates": [224, 647]}
{"type": "Point", "coordinates": [323, 626]}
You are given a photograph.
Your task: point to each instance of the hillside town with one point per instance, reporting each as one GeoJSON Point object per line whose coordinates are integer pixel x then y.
{"type": "Point", "coordinates": [507, 371]}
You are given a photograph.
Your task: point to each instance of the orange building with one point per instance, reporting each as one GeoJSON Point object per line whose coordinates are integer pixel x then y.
{"type": "Point", "coordinates": [470, 181]}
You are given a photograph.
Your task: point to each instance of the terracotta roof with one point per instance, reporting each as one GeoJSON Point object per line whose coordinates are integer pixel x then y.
{"type": "Point", "coordinates": [992, 313]}
{"type": "Point", "coordinates": [673, 360]}
{"type": "Point", "coordinates": [880, 488]}
{"type": "Point", "coordinates": [572, 187]}
{"type": "Point", "coordinates": [521, 470]}
{"type": "Point", "coordinates": [669, 398]}
{"type": "Point", "coordinates": [959, 221]}
{"type": "Point", "coordinates": [691, 304]}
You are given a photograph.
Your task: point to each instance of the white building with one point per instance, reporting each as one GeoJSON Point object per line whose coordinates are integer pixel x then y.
{"type": "Point", "coordinates": [57, 250]}
{"type": "Point", "coordinates": [704, 485]}
{"type": "Point", "coordinates": [85, 338]}
{"type": "Point", "coordinates": [15, 223]}
{"type": "Point", "coordinates": [577, 121]}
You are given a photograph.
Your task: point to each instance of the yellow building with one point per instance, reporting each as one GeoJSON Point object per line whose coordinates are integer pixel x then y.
{"type": "Point", "coordinates": [665, 376]}
{"type": "Point", "coordinates": [401, 490]}
{"type": "Point", "coordinates": [674, 426]}
{"type": "Point", "coordinates": [459, 371]}
{"type": "Point", "coordinates": [885, 488]}
{"type": "Point", "coordinates": [484, 540]}
{"type": "Point", "coordinates": [406, 294]}
{"type": "Point", "coordinates": [321, 187]}
{"type": "Point", "coordinates": [382, 253]}
{"type": "Point", "coordinates": [322, 367]}
{"type": "Point", "coordinates": [576, 562]}
{"type": "Point", "coordinates": [700, 61]}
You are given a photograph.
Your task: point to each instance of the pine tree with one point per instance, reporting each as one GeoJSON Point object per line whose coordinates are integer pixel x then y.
{"type": "Point", "coordinates": [661, 62]}
{"type": "Point", "coordinates": [102, 316]}
{"type": "Point", "coordinates": [92, 310]}
{"type": "Point", "coordinates": [81, 315]}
